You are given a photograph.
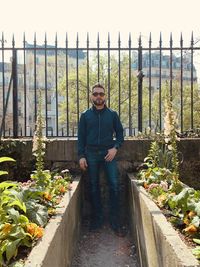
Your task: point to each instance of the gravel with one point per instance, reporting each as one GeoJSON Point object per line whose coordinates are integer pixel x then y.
{"type": "Point", "coordinates": [104, 249]}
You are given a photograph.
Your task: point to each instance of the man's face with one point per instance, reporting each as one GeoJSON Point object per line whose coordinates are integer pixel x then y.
{"type": "Point", "coordinates": [98, 96]}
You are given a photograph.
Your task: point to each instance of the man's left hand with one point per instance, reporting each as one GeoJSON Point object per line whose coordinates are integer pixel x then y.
{"type": "Point", "coordinates": [111, 154]}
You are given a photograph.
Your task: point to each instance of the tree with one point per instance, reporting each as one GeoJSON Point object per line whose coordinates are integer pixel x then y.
{"type": "Point", "coordinates": [124, 101]}
{"type": "Point", "coordinates": [123, 97]}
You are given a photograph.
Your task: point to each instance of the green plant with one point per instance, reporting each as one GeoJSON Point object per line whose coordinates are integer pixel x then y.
{"type": "Point", "coordinates": [161, 179]}
{"type": "Point", "coordinates": [5, 159]}
{"type": "Point", "coordinates": [12, 222]}
{"type": "Point", "coordinates": [170, 135]}
{"type": "Point", "coordinates": [41, 176]}
{"type": "Point", "coordinates": [196, 251]}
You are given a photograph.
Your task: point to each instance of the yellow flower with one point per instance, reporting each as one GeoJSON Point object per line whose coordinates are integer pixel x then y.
{"type": "Point", "coordinates": [186, 221]}
{"type": "Point", "coordinates": [30, 227]}
{"type": "Point", "coordinates": [191, 214]}
{"type": "Point", "coordinates": [47, 196]}
{"type": "Point", "coordinates": [145, 185]}
{"type": "Point", "coordinates": [39, 232]}
{"type": "Point", "coordinates": [62, 189]}
{"type": "Point", "coordinates": [191, 229]}
{"type": "Point", "coordinates": [7, 228]}
{"type": "Point", "coordinates": [161, 199]}
{"type": "Point", "coordinates": [34, 230]}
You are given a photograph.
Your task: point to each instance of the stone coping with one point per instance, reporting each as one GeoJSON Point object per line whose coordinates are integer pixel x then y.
{"type": "Point", "coordinates": [57, 246]}
{"type": "Point", "coordinates": [158, 244]}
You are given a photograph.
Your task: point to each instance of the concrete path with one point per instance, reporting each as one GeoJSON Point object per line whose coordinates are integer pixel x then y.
{"type": "Point", "coordinates": [104, 249]}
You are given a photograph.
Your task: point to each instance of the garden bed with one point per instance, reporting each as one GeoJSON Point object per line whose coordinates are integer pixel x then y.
{"type": "Point", "coordinates": [158, 244]}
{"type": "Point", "coordinates": [57, 246]}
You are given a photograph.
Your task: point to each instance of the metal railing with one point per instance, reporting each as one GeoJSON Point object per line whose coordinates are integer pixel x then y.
{"type": "Point", "coordinates": [66, 74]}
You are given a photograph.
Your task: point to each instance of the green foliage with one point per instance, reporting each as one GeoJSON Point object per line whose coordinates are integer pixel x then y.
{"type": "Point", "coordinates": [24, 211]}
{"type": "Point", "coordinates": [126, 95]}
{"type": "Point", "coordinates": [5, 159]}
{"type": "Point", "coordinates": [12, 222]}
{"type": "Point", "coordinates": [26, 208]}
{"type": "Point", "coordinates": [196, 252]}
{"type": "Point", "coordinates": [41, 177]}
{"type": "Point", "coordinates": [84, 95]}
{"type": "Point", "coordinates": [181, 200]}
{"type": "Point", "coordinates": [161, 179]}
{"type": "Point", "coordinates": [162, 160]}
{"type": "Point", "coordinates": [156, 191]}
{"type": "Point", "coordinates": [159, 155]}
{"type": "Point", "coordinates": [37, 213]}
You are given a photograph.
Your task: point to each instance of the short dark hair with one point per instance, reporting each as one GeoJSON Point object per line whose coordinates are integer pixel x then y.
{"type": "Point", "coordinates": [98, 85]}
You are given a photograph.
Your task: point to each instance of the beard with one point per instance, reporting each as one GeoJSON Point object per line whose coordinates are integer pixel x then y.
{"type": "Point", "coordinates": [99, 102]}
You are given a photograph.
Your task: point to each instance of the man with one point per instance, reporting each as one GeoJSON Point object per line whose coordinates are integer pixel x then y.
{"type": "Point", "coordinates": [96, 148]}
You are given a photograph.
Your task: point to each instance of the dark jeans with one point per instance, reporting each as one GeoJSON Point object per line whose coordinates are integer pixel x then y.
{"type": "Point", "coordinates": [95, 160]}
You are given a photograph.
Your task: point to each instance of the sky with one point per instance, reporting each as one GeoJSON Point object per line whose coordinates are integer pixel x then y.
{"type": "Point", "coordinates": [103, 16]}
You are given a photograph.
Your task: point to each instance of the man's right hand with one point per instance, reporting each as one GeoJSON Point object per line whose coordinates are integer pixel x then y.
{"type": "Point", "coordinates": [83, 164]}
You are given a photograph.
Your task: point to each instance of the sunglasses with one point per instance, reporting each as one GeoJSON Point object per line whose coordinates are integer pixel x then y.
{"type": "Point", "coordinates": [100, 94]}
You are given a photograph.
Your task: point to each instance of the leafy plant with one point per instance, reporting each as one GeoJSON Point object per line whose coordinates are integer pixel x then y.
{"type": "Point", "coordinates": [39, 144]}
{"type": "Point", "coordinates": [160, 178]}
{"type": "Point", "coordinates": [25, 207]}
{"type": "Point", "coordinates": [5, 159]}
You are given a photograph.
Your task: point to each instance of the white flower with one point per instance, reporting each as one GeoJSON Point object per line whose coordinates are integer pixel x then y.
{"type": "Point", "coordinates": [35, 143]}
{"type": "Point", "coordinates": [153, 185]}
{"type": "Point", "coordinates": [167, 139]}
{"type": "Point", "coordinates": [164, 185]}
{"type": "Point", "coordinates": [170, 147]}
{"type": "Point", "coordinates": [65, 171]}
{"type": "Point", "coordinates": [167, 132]}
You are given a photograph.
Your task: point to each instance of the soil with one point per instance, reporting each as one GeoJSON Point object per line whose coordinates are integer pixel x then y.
{"type": "Point", "coordinates": [186, 238]}
{"type": "Point", "coordinates": [104, 248]}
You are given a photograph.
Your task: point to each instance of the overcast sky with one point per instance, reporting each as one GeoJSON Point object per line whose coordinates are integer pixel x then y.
{"type": "Point", "coordinates": [103, 16]}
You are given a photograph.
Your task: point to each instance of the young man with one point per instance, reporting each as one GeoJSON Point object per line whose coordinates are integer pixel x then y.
{"type": "Point", "coordinates": [96, 148]}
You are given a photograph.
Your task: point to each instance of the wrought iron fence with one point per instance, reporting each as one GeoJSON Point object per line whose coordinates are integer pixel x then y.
{"type": "Point", "coordinates": [137, 79]}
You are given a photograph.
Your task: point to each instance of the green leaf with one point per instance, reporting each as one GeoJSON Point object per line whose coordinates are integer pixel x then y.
{"type": "Point", "coordinates": [3, 159]}
{"type": "Point", "coordinates": [197, 208]}
{"type": "Point", "coordinates": [195, 221]}
{"type": "Point", "coordinates": [191, 204]}
{"type": "Point", "coordinates": [27, 241]}
{"type": "Point", "coordinates": [196, 252]}
{"type": "Point", "coordinates": [181, 200]}
{"type": "Point", "coordinates": [17, 232]}
{"type": "Point", "coordinates": [23, 219]}
{"type": "Point", "coordinates": [19, 204]}
{"type": "Point", "coordinates": [17, 264]}
{"type": "Point", "coordinates": [11, 248]}
{"type": "Point", "coordinates": [14, 214]}
{"type": "Point", "coordinates": [32, 193]}
{"type": "Point", "coordinates": [2, 250]}
{"type": "Point", "coordinates": [7, 184]}
{"type": "Point", "coordinates": [196, 240]}
{"type": "Point", "coordinates": [37, 213]}
{"type": "Point", "coordinates": [3, 173]}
